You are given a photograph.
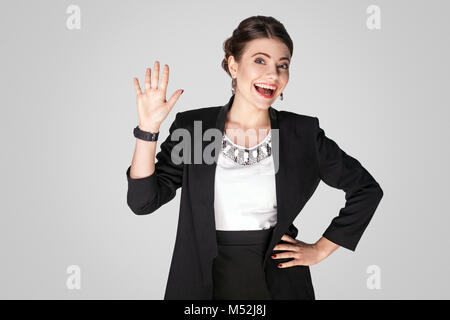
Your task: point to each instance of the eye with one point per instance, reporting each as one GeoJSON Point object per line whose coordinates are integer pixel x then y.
{"type": "Point", "coordinates": [259, 59]}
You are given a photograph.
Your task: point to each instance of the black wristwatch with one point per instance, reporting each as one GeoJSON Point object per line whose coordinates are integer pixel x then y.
{"type": "Point", "coordinates": [144, 135]}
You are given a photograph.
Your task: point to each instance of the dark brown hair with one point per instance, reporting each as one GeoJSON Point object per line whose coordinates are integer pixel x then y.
{"type": "Point", "coordinates": [252, 28]}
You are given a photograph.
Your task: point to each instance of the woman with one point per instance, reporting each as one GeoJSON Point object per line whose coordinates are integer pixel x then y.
{"type": "Point", "coordinates": [235, 237]}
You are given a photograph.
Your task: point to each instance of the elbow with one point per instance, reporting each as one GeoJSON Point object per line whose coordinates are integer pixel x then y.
{"type": "Point", "coordinates": [380, 193]}
{"type": "Point", "coordinates": [374, 189]}
{"type": "Point", "coordinates": [377, 195]}
{"type": "Point", "coordinates": [140, 209]}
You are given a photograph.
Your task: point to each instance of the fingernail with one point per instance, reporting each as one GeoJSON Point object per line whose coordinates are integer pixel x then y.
{"type": "Point", "coordinates": [182, 91]}
{"type": "Point", "coordinates": [274, 255]}
{"type": "Point", "coordinates": [279, 266]}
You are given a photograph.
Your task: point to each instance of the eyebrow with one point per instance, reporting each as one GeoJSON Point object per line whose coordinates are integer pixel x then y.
{"type": "Point", "coordinates": [265, 54]}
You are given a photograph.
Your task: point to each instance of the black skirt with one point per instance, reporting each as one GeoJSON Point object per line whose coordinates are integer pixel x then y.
{"type": "Point", "coordinates": [238, 272]}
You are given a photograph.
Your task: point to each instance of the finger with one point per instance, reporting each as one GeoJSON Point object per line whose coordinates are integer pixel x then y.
{"type": "Point", "coordinates": [137, 87]}
{"type": "Point", "coordinates": [155, 77]}
{"type": "Point", "coordinates": [284, 255]}
{"type": "Point", "coordinates": [165, 78]}
{"type": "Point", "coordinates": [283, 246]}
{"type": "Point", "coordinates": [288, 238]}
{"type": "Point", "coordinates": [147, 79]}
{"type": "Point", "coordinates": [174, 98]}
{"type": "Point", "coordinates": [288, 264]}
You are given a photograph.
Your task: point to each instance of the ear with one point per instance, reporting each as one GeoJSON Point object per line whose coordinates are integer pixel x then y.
{"type": "Point", "coordinates": [232, 65]}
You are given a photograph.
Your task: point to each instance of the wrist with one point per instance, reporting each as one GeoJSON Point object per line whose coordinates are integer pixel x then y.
{"type": "Point", "coordinates": [325, 247]}
{"type": "Point", "coordinates": [149, 128]}
{"type": "Point", "coordinates": [320, 250]}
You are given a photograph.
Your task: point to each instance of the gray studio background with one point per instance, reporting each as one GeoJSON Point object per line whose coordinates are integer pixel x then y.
{"type": "Point", "coordinates": [68, 110]}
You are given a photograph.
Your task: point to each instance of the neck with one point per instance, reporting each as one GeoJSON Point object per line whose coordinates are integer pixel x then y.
{"type": "Point", "coordinates": [246, 115]}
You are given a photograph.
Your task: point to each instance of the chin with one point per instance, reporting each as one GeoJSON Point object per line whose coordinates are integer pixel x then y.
{"type": "Point", "coordinates": [263, 105]}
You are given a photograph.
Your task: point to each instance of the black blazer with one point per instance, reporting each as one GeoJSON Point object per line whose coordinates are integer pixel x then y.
{"type": "Point", "coordinates": [303, 156]}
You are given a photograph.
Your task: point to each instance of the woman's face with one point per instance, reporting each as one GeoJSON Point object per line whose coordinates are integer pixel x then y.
{"type": "Point", "coordinates": [265, 61]}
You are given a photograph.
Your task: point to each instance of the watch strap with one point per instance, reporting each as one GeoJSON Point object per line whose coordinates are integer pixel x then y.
{"type": "Point", "coordinates": [145, 135]}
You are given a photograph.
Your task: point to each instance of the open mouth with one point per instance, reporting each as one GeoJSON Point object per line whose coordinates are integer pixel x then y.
{"type": "Point", "coordinates": [266, 93]}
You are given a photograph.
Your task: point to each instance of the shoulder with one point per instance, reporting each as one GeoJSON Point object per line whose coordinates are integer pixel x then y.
{"type": "Point", "coordinates": [186, 118]}
{"type": "Point", "coordinates": [301, 122]}
{"type": "Point", "coordinates": [297, 117]}
{"type": "Point", "coordinates": [200, 112]}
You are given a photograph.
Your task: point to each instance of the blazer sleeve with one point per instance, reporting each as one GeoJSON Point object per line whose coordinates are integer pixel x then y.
{"type": "Point", "coordinates": [146, 195]}
{"type": "Point", "coordinates": [362, 193]}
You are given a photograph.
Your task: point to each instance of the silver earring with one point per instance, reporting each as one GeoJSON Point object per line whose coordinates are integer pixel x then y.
{"type": "Point", "coordinates": [281, 96]}
{"type": "Point", "coordinates": [233, 83]}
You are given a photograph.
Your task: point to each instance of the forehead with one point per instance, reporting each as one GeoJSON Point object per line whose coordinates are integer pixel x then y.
{"type": "Point", "coordinates": [273, 47]}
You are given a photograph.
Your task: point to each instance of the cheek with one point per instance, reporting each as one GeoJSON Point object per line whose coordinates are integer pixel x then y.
{"type": "Point", "coordinates": [284, 81]}
{"type": "Point", "coordinates": [250, 75]}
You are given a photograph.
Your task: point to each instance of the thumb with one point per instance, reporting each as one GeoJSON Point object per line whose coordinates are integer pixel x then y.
{"type": "Point", "coordinates": [173, 99]}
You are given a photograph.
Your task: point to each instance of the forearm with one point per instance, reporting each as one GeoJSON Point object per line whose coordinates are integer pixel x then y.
{"type": "Point", "coordinates": [325, 247]}
{"type": "Point", "coordinates": [143, 163]}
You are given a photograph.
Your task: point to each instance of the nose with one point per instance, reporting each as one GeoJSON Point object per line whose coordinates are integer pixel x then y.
{"type": "Point", "coordinates": [272, 76]}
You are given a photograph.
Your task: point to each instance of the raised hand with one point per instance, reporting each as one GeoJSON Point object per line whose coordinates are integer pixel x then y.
{"type": "Point", "coordinates": [152, 105]}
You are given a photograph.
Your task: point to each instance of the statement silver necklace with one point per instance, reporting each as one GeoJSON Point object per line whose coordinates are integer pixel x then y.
{"type": "Point", "coordinates": [244, 156]}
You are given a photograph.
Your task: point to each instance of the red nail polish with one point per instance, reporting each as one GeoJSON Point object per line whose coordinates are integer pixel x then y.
{"type": "Point", "coordinates": [279, 266]}
{"type": "Point", "coordinates": [274, 255]}
{"type": "Point", "coordinates": [182, 91]}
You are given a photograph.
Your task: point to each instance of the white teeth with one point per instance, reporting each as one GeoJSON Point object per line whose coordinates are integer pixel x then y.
{"type": "Point", "coordinates": [265, 86]}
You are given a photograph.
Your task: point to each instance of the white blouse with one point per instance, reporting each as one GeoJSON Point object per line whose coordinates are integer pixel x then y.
{"type": "Point", "coordinates": [244, 187]}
